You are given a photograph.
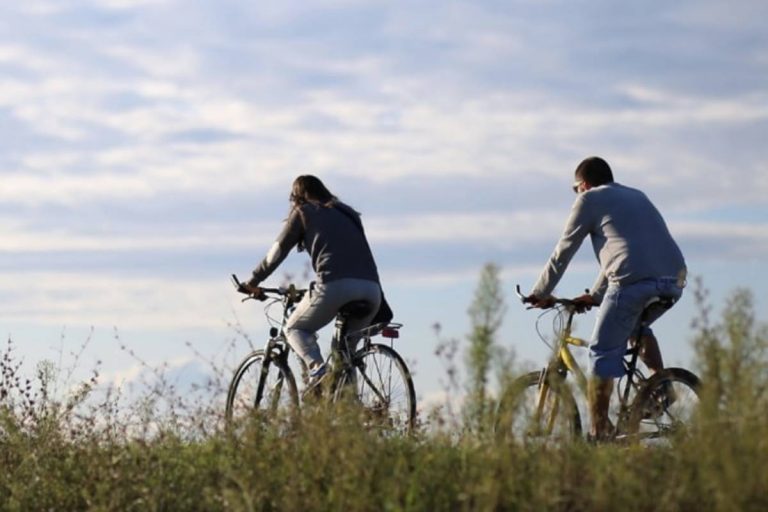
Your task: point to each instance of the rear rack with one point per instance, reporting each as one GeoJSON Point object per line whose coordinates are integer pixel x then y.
{"type": "Point", "coordinates": [386, 329]}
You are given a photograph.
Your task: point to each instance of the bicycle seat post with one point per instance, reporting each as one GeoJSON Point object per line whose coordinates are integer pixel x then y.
{"type": "Point", "coordinates": [354, 309]}
{"type": "Point", "coordinates": [340, 332]}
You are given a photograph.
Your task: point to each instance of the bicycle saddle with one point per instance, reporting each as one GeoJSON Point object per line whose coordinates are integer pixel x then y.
{"type": "Point", "coordinates": [356, 308]}
{"type": "Point", "coordinates": [662, 302]}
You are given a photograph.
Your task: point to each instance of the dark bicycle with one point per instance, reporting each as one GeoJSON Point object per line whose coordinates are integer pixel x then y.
{"type": "Point", "coordinates": [541, 404]}
{"type": "Point", "coordinates": [375, 376]}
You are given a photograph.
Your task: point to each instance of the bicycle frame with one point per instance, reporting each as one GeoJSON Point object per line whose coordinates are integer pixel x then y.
{"type": "Point", "coordinates": [278, 348]}
{"type": "Point", "coordinates": [647, 407]}
{"type": "Point", "coordinates": [563, 362]}
{"type": "Point", "coordinates": [374, 373]}
{"type": "Point", "coordinates": [566, 358]}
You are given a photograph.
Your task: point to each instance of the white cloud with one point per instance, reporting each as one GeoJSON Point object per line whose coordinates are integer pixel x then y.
{"type": "Point", "coordinates": [465, 227]}
{"type": "Point", "coordinates": [396, 129]}
{"type": "Point", "coordinates": [725, 241]}
{"type": "Point", "coordinates": [51, 7]}
{"type": "Point", "coordinates": [127, 4]}
{"type": "Point", "coordinates": [126, 112]}
{"type": "Point", "coordinates": [24, 57]}
{"type": "Point", "coordinates": [167, 63]}
{"type": "Point", "coordinates": [147, 372]}
{"type": "Point", "coordinates": [89, 298]}
{"type": "Point", "coordinates": [673, 108]}
{"type": "Point", "coordinates": [16, 239]}
{"type": "Point", "coordinates": [71, 189]}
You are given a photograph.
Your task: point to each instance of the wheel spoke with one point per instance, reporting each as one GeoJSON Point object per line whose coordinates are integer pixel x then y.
{"type": "Point", "coordinates": [256, 386]}
{"type": "Point", "coordinates": [384, 388]}
{"type": "Point", "coordinates": [667, 405]}
{"type": "Point", "coordinates": [532, 411]}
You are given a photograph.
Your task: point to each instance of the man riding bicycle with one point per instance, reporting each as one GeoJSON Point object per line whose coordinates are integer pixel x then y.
{"type": "Point", "coordinates": [639, 260]}
{"type": "Point", "coordinates": [333, 235]}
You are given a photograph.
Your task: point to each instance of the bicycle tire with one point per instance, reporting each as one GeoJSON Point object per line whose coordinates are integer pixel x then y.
{"type": "Point", "coordinates": [654, 416]}
{"type": "Point", "coordinates": [273, 392]}
{"type": "Point", "coordinates": [517, 416]}
{"type": "Point", "coordinates": [383, 387]}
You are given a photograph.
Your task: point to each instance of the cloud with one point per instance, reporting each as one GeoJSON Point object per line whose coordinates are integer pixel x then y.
{"type": "Point", "coordinates": [340, 110]}
{"type": "Point", "coordinates": [464, 227]}
{"type": "Point", "coordinates": [139, 145]}
{"type": "Point", "coordinates": [54, 7]}
{"type": "Point", "coordinates": [36, 241]}
{"type": "Point", "coordinates": [127, 4]}
{"type": "Point", "coordinates": [100, 299]}
{"type": "Point", "coordinates": [185, 373]}
{"type": "Point", "coordinates": [724, 241]}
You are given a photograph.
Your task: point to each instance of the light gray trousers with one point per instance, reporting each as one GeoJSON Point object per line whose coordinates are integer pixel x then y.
{"type": "Point", "coordinates": [320, 306]}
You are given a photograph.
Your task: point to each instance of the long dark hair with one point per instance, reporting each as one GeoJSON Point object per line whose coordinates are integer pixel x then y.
{"type": "Point", "coordinates": [309, 189]}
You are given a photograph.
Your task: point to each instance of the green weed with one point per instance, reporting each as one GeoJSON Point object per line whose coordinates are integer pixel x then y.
{"type": "Point", "coordinates": [89, 449]}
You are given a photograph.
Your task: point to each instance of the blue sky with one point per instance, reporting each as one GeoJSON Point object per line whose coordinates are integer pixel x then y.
{"type": "Point", "coordinates": [147, 148]}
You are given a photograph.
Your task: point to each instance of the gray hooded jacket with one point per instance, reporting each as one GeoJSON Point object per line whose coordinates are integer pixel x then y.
{"type": "Point", "coordinates": [334, 238]}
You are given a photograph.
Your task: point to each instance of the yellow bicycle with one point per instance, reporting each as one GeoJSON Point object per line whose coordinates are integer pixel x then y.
{"type": "Point", "coordinates": [541, 405]}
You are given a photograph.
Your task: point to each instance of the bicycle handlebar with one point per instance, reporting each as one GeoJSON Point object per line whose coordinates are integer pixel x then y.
{"type": "Point", "coordinates": [291, 291]}
{"type": "Point", "coordinates": [525, 299]}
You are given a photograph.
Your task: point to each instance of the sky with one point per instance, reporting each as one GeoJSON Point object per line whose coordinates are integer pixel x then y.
{"type": "Point", "coordinates": [147, 148]}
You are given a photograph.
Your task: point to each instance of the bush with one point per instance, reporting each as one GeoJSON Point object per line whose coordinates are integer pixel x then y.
{"type": "Point", "coordinates": [89, 450]}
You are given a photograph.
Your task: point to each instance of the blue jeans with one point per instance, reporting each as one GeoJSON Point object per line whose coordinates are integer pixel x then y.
{"type": "Point", "coordinates": [618, 317]}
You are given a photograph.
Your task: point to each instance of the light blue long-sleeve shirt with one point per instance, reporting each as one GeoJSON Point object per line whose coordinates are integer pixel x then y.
{"type": "Point", "coordinates": [629, 237]}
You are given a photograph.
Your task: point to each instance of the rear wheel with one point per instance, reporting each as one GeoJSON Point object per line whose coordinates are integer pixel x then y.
{"type": "Point", "coordinates": [383, 387]}
{"type": "Point", "coordinates": [666, 405]}
{"type": "Point", "coordinates": [261, 384]}
{"type": "Point", "coordinates": [538, 408]}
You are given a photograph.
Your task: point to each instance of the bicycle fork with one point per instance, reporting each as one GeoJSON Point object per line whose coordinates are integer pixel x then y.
{"type": "Point", "coordinates": [544, 388]}
{"type": "Point", "coordinates": [269, 355]}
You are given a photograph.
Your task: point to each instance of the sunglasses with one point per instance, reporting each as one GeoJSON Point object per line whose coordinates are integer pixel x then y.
{"type": "Point", "coordinates": [576, 186]}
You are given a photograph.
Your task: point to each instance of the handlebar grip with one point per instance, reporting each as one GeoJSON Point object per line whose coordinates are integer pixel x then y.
{"type": "Point", "coordinates": [523, 298]}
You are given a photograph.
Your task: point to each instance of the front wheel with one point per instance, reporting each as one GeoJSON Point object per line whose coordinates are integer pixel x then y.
{"type": "Point", "coordinates": [383, 387]}
{"type": "Point", "coordinates": [538, 407]}
{"type": "Point", "coordinates": [665, 406]}
{"type": "Point", "coordinates": [263, 384]}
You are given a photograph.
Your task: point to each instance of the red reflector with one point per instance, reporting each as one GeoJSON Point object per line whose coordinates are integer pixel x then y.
{"type": "Point", "coordinates": [390, 333]}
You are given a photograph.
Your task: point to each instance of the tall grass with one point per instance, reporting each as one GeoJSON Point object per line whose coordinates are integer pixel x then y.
{"type": "Point", "coordinates": [79, 451]}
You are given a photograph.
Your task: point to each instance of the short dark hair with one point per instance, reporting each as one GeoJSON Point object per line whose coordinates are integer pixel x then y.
{"type": "Point", "coordinates": [595, 171]}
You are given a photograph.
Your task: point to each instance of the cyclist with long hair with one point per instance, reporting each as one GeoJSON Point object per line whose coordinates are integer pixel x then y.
{"type": "Point", "coordinates": [332, 233]}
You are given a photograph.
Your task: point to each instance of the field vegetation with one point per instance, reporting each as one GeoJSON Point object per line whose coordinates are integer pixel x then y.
{"type": "Point", "coordinates": [85, 449]}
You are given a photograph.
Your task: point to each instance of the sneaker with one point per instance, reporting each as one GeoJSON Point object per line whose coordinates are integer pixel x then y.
{"type": "Point", "coordinates": [316, 378]}
{"type": "Point", "coordinates": [318, 372]}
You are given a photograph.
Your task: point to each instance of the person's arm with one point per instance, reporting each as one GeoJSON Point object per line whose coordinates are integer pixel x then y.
{"type": "Point", "coordinates": [576, 229]}
{"type": "Point", "coordinates": [598, 289]}
{"type": "Point", "coordinates": [292, 232]}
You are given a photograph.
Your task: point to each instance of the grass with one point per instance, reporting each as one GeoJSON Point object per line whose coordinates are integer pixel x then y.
{"type": "Point", "coordinates": [80, 452]}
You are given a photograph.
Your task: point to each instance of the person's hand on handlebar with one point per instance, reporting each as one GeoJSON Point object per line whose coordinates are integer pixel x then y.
{"type": "Point", "coordinates": [251, 289]}
{"type": "Point", "coordinates": [540, 302]}
{"type": "Point", "coordinates": [584, 303]}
